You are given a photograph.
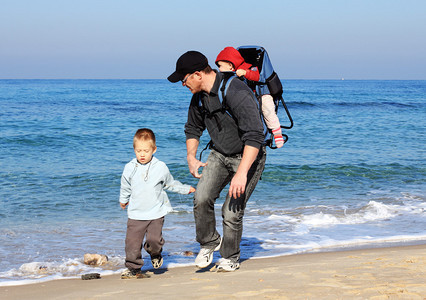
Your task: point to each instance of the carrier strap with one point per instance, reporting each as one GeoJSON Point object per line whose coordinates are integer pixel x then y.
{"type": "Point", "coordinates": [223, 89]}
{"type": "Point", "coordinates": [222, 98]}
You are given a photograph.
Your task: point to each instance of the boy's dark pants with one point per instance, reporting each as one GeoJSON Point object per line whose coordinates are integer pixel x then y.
{"type": "Point", "coordinates": [136, 231]}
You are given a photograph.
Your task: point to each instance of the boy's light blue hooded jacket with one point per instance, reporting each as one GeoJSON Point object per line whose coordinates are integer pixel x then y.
{"type": "Point", "coordinates": [143, 186]}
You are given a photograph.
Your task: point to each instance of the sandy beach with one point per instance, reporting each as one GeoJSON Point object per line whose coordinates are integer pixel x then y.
{"type": "Point", "coordinates": [379, 273]}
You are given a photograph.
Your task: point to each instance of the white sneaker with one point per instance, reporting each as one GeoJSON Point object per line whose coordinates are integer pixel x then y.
{"type": "Point", "coordinates": [205, 256]}
{"type": "Point", "coordinates": [227, 265]}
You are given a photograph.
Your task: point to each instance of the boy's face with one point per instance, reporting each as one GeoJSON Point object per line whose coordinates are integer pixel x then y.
{"type": "Point", "coordinates": [144, 151]}
{"type": "Point", "coordinates": [225, 66]}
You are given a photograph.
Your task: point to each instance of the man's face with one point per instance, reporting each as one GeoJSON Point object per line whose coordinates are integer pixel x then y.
{"type": "Point", "coordinates": [193, 82]}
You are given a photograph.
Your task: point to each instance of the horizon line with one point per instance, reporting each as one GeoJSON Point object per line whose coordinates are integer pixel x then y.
{"type": "Point", "coordinates": [336, 79]}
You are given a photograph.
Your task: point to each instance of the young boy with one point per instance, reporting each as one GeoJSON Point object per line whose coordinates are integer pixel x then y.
{"type": "Point", "coordinates": [143, 183]}
{"type": "Point", "coordinates": [229, 59]}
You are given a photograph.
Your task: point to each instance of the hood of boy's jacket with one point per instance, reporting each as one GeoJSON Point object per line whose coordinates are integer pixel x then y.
{"type": "Point", "coordinates": [232, 55]}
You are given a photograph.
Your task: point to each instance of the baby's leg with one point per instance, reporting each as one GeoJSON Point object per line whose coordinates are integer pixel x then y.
{"type": "Point", "coordinates": [271, 119]}
{"type": "Point", "coordinates": [268, 110]}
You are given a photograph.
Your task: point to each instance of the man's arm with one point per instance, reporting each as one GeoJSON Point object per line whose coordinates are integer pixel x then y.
{"type": "Point", "coordinates": [193, 163]}
{"type": "Point", "coordinates": [239, 181]}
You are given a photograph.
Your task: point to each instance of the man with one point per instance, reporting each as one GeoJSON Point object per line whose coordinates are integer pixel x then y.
{"type": "Point", "coordinates": [237, 155]}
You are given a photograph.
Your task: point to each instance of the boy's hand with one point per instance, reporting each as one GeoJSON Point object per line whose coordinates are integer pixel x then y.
{"type": "Point", "coordinates": [123, 205]}
{"type": "Point", "coordinates": [241, 72]}
{"type": "Point", "coordinates": [191, 190]}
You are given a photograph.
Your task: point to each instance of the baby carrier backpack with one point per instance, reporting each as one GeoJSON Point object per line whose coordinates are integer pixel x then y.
{"type": "Point", "coordinates": [269, 83]}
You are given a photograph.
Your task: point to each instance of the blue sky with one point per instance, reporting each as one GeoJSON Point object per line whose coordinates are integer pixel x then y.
{"type": "Point", "coordinates": [305, 39]}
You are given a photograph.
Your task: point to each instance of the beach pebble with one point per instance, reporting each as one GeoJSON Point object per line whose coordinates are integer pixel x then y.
{"type": "Point", "coordinates": [90, 276]}
{"type": "Point", "coordinates": [95, 259]}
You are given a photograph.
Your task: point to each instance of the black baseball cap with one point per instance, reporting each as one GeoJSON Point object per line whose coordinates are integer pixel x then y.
{"type": "Point", "coordinates": [189, 62]}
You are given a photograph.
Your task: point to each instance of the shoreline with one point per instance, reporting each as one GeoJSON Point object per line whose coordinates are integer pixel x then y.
{"type": "Point", "coordinates": [376, 273]}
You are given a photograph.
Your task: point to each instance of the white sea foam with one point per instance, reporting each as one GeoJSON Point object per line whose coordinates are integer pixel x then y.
{"type": "Point", "coordinates": [45, 271]}
{"type": "Point", "coordinates": [336, 245]}
{"type": "Point", "coordinates": [283, 218]}
{"type": "Point", "coordinates": [373, 211]}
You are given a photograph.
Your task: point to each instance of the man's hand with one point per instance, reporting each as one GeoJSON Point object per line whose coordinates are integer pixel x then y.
{"type": "Point", "coordinates": [238, 185]}
{"type": "Point", "coordinates": [123, 205]}
{"type": "Point", "coordinates": [193, 165]}
{"type": "Point", "coordinates": [239, 181]}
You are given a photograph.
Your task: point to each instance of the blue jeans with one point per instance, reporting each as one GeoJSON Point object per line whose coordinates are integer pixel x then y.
{"type": "Point", "coordinates": [217, 174]}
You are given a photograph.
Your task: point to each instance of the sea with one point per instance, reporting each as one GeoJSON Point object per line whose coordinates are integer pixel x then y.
{"type": "Point", "coordinates": [352, 174]}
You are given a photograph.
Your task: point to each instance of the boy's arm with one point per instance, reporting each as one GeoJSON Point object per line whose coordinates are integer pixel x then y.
{"type": "Point", "coordinates": [125, 189]}
{"type": "Point", "coordinates": [173, 185]}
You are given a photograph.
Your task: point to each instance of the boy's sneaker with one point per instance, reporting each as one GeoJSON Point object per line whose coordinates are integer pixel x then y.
{"type": "Point", "coordinates": [205, 256]}
{"type": "Point", "coordinates": [227, 265]}
{"type": "Point", "coordinates": [157, 261]}
{"type": "Point", "coordinates": [133, 274]}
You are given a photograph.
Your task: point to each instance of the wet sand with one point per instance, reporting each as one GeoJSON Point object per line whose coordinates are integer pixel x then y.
{"type": "Point", "coordinates": [379, 273]}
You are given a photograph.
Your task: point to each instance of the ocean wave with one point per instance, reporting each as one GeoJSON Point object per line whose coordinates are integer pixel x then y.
{"type": "Point", "coordinates": [313, 173]}
{"type": "Point", "coordinates": [346, 244]}
{"type": "Point", "coordinates": [307, 218]}
{"type": "Point", "coordinates": [373, 211]}
{"type": "Point", "coordinates": [378, 104]}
